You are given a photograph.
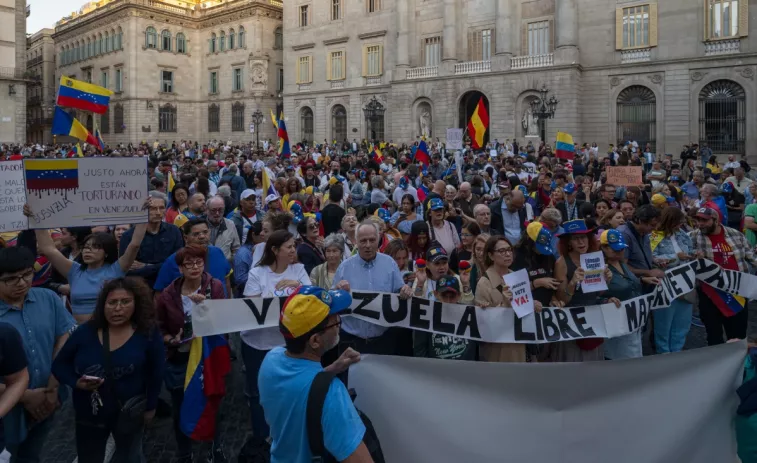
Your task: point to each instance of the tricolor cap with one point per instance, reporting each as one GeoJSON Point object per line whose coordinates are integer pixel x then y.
{"type": "Point", "coordinates": [435, 204]}
{"type": "Point", "coordinates": [614, 239]}
{"type": "Point", "coordinates": [659, 200]}
{"type": "Point", "coordinates": [707, 213]}
{"type": "Point", "coordinates": [309, 190]}
{"type": "Point", "coordinates": [420, 263]}
{"type": "Point", "coordinates": [448, 283]}
{"type": "Point", "coordinates": [403, 183]}
{"type": "Point", "coordinates": [308, 307]}
{"type": "Point", "coordinates": [436, 254]}
{"type": "Point", "coordinates": [383, 214]}
{"type": "Point", "coordinates": [569, 188]}
{"type": "Point", "coordinates": [522, 189]}
{"type": "Point", "coordinates": [542, 238]}
{"type": "Point", "coordinates": [727, 187]}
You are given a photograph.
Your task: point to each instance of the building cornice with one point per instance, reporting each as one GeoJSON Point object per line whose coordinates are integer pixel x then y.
{"type": "Point", "coordinates": [303, 46]}
{"type": "Point", "coordinates": [370, 35]}
{"type": "Point", "coordinates": [336, 40]}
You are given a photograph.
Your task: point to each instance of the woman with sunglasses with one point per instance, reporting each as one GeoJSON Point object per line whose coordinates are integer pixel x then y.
{"type": "Point", "coordinates": [310, 251]}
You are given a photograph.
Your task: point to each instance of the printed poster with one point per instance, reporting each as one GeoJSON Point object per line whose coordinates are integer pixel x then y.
{"type": "Point", "coordinates": [520, 285]}
{"type": "Point", "coordinates": [593, 264]}
{"type": "Point", "coordinates": [13, 197]}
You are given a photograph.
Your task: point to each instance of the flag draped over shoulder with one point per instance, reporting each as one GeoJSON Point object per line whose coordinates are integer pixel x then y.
{"type": "Point", "coordinates": [66, 124]}
{"type": "Point", "coordinates": [421, 154]}
{"type": "Point", "coordinates": [284, 149]}
{"type": "Point", "coordinates": [74, 93]}
{"type": "Point", "coordinates": [204, 386]}
{"type": "Point", "coordinates": [478, 125]}
{"type": "Point", "coordinates": [565, 148]}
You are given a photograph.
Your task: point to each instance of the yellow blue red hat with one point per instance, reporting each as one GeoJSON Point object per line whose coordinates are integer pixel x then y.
{"type": "Point", "coordinates": [614, 239]}
{"type": "Point", "coordinates": [383, 214]}
{"type": "Point", "coordinates": [542, 238]}
{"type": "Point", "coordinates": [435, 204]}
{"type": "Point", "coordinates": [308, 307]}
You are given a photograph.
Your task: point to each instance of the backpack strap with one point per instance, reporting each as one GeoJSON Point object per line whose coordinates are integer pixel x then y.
{"type": "Point", "coordinates": [316, 399]}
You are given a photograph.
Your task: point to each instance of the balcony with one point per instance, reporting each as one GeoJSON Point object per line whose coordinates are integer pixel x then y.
{"type": "Point", "coordinates": [532, 61]}
{"type": "Point", "coordinates": [473, 67]}
{"type": "Point", "coordinates": [722, 47]}
{"type": "Point", "coordinates": [278, 3]}
{"type": "Point", "coordinates": [11, 73]}
{"type": "Point", "coordinates": [337, 84]}
{"type": "Point", "coordinates": [639, 55]}
{"type": "Point", "coordinates": [422, 72]}
{"type": "Point", "coordinates": [373, 80]}
{"type": "Point", "coordinates": [303, 87]}
{"type": "Point", "coordinates": [33, 61]}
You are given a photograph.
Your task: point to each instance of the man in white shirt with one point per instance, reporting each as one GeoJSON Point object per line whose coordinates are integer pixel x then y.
{"type": "Point", "coordinates": [732, 163]}
{"type": "Point", "coordinates": [739, 181]}
{"type": "Point", "coordinates": [404, 189]}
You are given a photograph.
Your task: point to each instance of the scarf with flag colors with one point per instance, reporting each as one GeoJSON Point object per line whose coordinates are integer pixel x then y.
{"type": "Point", "coordinates": [284, 149]}
{"type": "Point", "coordinates": [565, 148]}
{"type": "Point", "coordinates": [204, 386]}
{"type": "Point", "coordinates": [74, 93]}
{"type": "Point", "coordinates": [420, 154]}
{"type": "Point", "coordinates": [66, 124]}
{"type": "Point", "coordinates": [478, 124]}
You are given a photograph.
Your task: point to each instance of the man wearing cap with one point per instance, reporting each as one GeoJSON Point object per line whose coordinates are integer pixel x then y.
{"type": "Point", "coordinates": [571, 207]}
{"type": "Point", "coordinates": [246, 215]}
{"type": "Point", "coordinates": [273, 202]}
{"type": "Point", "coordinates": [310, 323]}
{"type": "Point", "coordinates": [729, 249]}
{"type": "Point", "coordinates": [639, 251]}
{"type": "Point", "coordinates": [403, 189]}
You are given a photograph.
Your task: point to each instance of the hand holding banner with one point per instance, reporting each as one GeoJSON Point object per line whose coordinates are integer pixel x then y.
{"type": "Point", "coordinates": [520, 285]}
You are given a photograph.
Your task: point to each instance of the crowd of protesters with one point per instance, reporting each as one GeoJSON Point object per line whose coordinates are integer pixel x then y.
{"type": "Point", "coordinates": [103, 314]}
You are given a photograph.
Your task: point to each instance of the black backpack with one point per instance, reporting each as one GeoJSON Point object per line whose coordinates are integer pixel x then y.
{"type": "Point", "coordinates": [316, 398]}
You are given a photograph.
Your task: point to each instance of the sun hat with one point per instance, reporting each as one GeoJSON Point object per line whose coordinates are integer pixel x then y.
{"type": "Point", "coordinates": [575, 227]}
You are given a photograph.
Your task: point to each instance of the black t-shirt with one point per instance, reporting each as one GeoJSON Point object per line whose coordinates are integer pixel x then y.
{"type": "Point", "coordinates": [544, 268]}
{"type": "Point", "coordinates": [736, 199]}
{"type": "Point", "coordinates": [332, 216]}
{"type": "Point", "coordinates": [12, 360]}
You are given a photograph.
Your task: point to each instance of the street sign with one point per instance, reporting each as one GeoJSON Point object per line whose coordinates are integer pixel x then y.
{"type": "Point", "coordinates": [252, 127]}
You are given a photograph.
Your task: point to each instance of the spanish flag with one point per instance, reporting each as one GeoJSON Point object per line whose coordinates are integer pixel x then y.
{"type": "Point", "coordinates": [275, 122]}
{"type": "Point", "coordinates": [478, 125]}
{"type": "Point", "coordinates": [82, 95]}
{"type": "Point", "coordinates": [565, 148]}
{"type": "Point", "coordinates": [66, 124]}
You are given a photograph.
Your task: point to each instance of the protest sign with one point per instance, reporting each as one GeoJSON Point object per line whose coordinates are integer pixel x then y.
{"type": "Point", "coordinates": [494, 324]}
{"type": "Point", "coordinates": [624, 175]}
{"type": "Point", "coordinates": [593, 264]}
{"type": "Point", "coordinates": [520, 285]}
{"type": "Point", "coordinates": [493, 154]}
{"type": "Point", "coordinates": [517, 413]}
{"type": "Point", "coordinates": [455, 139]}
{"type": "Point", "coordinates": [13, 197]}
{"type": "Point", "coordinates": [86, 191]}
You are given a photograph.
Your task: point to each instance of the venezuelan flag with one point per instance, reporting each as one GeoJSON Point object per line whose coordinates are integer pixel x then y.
{"type": "Point", "coordinates": [79, 152]}
{"type": "Point", "coordinates": [565, 148]}
{"type": "Point", "coordinates": [171, 182]}
{"type": "Point", "coordinates": [82, 95]}
{"type": "Point", "coordinates": [284, 150]}
{"type": "Point", "coordinates": [377, 155]}
{"type": "Point", "coordinates": [204, 386]}
{"type": "Point", "coordinates": [275, 122]}
{"type": "Point", "coordinates": [99, 138]}
{"type": "Point", "coordinates": [478, 125]}
{"type": "Point", "coordinates": [728, 304]}
{"type": "Point", "coordinates": [51, 174]}
{"type": "Point", "coordinates": [421, 154]}
{"type": "Point", "coordinates": [66, 124]}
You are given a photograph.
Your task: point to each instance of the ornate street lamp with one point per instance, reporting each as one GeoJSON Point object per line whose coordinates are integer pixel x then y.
{"type": "Point", "coordinates": [544, 108]}
{"type": "Point", "coordinates": [257, 119]}
{"type": "Point", "coordinates": [374, 111]}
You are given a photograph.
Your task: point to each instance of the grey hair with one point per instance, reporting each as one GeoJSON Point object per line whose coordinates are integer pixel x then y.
{"type": "Point", "coordinates": [213, 163]}
{"type": "Point", "coordinates": [159, 195]}
{"type": "Point", "coordinates": [450, 188]}
{"type": "Point", "coordinates": [233, 169]}
{"type": "Point", "coordinates": [224, 191]}
{"type": "Point", "coordinates": [552, 214]}
{"type": "Point", "coordinates": [248, 163]}
{"type": "Point", "coordinates": [368, 223]}
{"type": "Point", "coordinates": [375, 180]}
{"type": "Point", "coordinates": [479, 207]}
{"type": "Point", "coordinates": [710, 188]}
{"type": "Point", "coordinates": [216, 198]}
{"type": "Point", "coordinates": [334, 240]}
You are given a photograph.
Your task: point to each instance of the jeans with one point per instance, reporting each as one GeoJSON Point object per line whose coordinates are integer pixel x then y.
{"type": "Point", "coordinates": [253, 358]}
{"type": "Point", "coordinates": [715, 322]}
{"type": "Point", "coordinates": [30, 449]}
{"type": "Point", "coordinates": [624, 347]}
{"type": "Point", "coordinates": [671, 325]}
{"type": "Point", "coordinates": [91, 442]}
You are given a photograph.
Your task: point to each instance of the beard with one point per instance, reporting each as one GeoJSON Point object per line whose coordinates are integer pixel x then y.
{"type": "Point", "coordinates": [331, 345]}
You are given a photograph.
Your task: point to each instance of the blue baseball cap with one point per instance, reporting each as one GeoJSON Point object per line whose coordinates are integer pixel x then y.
{"type": "Point", "coordinates": [435, 204]}
{"type": "Point", "coordinates": [542, 238]}
{"type": "Point", "coordinates": [675, 178]}
{"type": "Point", "coordinates": [575, 227]}
{"type": "Point", "coordinates": [553, 185]}
{"type": "Point", "coordinates": [569, 188]}
{"type": "Point", "coordinates": [403, 183]}
{"type": "Point", "coordinates": [727, 187]}
{"type": "Point", "coordinates": [383, 214]}
{"type": "Point", "coordinates": [448, 283]}
{"type": "Point", "coordinates": [614, 239]}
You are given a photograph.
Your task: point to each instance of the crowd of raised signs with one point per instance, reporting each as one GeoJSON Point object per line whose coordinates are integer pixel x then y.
{"type": "Point", "coordinates": [231, 221]}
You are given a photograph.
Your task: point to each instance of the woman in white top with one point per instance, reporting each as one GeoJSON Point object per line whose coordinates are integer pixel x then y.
{"type": "Point", "coordinates": [276, 275]}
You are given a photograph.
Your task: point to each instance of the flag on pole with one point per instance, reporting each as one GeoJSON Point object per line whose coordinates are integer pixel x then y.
{"type": "Point", "coordinates": [99, 138]}
{"type": "Point", "coordinates": [565, 148]}
{"type": "Point", "coordinates": [478, 125]}
{"type": "Point", "coordinates": [377, 155]}
{"type": "Point", "coordinates": [79, 152]}
{"type": "Point", "coordinates": [284, 150]}
{"type": "Point", "coordinates": [82, 95]}
{"type": "Point", "coordinates": [275, 122]}
{"type": "Point", "coordinates": [421, 154]}
{"type": "Point", "coordinates": [66, 124]}
{"type": "Point", "coordinates": [171, 182]}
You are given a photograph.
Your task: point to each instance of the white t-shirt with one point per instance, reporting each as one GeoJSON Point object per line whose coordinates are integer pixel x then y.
{"type": "Point", "coordinates": [446, 236]}
{"type": "Point", "coordinates": [399, 193]}
{"type": "Point", "coordinates": [262, 281]}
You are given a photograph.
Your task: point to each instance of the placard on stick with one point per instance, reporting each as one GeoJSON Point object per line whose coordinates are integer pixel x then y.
{"type": "Point", "coordinates": [624, 175]}
{"type": "Point", "coordinates": [454, 139]}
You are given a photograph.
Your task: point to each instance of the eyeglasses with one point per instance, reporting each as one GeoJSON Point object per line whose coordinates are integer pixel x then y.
{"type": "Point", "coordinates": [122, 302]}
{"type": "Point", "coordinates": [504, 251]}
{"type": "Point", "coordinates": [313, 226]}
{"type": "Point", "coordinates": [195, 264]}
{"type": "Point", "coordinates": [216, 211]}
{"type": "Point", "coordinates": [16, 279]}
{"type": "Point", "coordinates": [327, 327]}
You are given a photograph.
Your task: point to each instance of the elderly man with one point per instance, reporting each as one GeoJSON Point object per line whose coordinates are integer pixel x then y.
{"type": "Point", "coordinates": [710, 198]}
{"type": "Point", "coordinates": [732, 163]}
{"type": "Point", "coordinates": [195, 209]}
{"type": "Point", "coordinates": [213, 174]}
{"type": "Point", "coordinates": [509, 216]}
{"type": "Point", "coordinates": [466, 200]}
{"type": "Point", "coordinates": [739, 181]}
{"type": "Point", "coordinates": [248, 174]}
{"type": "Point", "coordinates": [246, 215]}
{"type": "Point", "coordinates": [691, 189]}
{"type": "Point", "coordinates": [223, 232]}
{"type": "Point", "coordinates": [483, 217]}
{"type": "Point", "coordinates": [369, 271]}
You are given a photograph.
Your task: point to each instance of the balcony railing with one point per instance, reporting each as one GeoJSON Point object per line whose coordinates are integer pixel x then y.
{"type": "Point", "coordinates": [473, 67]}
{"type": "Point", "coordinates": [304, 87]}
{"type": "Point", "coordinates": [635, 56]}
{"type": "Point", "coordinates": [335, 84]}
{"type": "Point", "coordinates": [33, 61]}
{"type": "Point", "coordinates": [722, 47]}
{"type": "Point", "coordinates": [12, 73]}
{"type": "Point", "coordinates": [373, 80]}
{"type": "Point", "coordinates": [532, 61]}
{"type": "Point", "coordinates": [422, 72]}
{"type": "Point", "coordinates": [278, 3]}
{"type": "Point", "coordinates": [167, 7]}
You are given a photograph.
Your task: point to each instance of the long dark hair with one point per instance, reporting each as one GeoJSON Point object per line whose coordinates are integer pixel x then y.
{"type": "Point", "coordinates": [276, 240]}
{"type": "Point", "coordinates": [101, 240]}
{"type": "Point", "coordinates": [670, 219]}
{"type": "Point", "coordinates": [203, 186]}
{"type": "Point", "coordinates": [172, 194]}
{"type": "Point", "coordinates": [532, 259]}
{"type": "Point", "coordinates": [143, 318]}
{"type": "Point", "coordinates": [412, 241]}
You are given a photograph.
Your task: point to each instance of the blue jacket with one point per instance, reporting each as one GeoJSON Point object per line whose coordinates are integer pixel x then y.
{"type": "Point", "coordinates": [665, 250]}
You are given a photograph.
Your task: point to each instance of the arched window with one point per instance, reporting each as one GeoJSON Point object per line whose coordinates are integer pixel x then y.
{"type": "Point", "coordinates": [222, 41]}
{"type": "Point", "coordinates": [213, 42]}
{"type": "Point", "coordinates": [241, 37]}
{"type": "Point", "coordinates": [637, 116]}
{"type": "Point", "coordinates": [167, 118]}
{"type": "Point", "coordinates": [237, 117]}
{"type": "Point", "coordinates": [165, 38]}
{"type": "Point", "coordinates": [338, 123]}
{"type": "Point", "coordinates": [118, 119]}
{"type": "Point", "coordinates": [119, 39]}
{"type": "Point", "coordinates": [722, 117]}
{"type": "Point", "coordinates": [278, 39]}
{"type": "Point", "coordinates": [231, 39]}
{"type": "Point", "coordinates": [107, 42]}
{"type": "Point", "coordinates": [214, 118]}
{"type": "Point", "coordinates": [151, 38]}
{"type": "Point", "coordinates": [181, 43]}
{"type": "Point", "coordinates": [306, 124]}
{"type": "Point", "coordinates": [99, 44]}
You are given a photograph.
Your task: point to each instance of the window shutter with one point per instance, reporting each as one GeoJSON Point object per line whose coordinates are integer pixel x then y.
{"type": "Point", "coordinates": [619, 28]}
{"type": "Point", "coordinates": [365, 60]}
{"type": "Point", "coordinates": [297, 72]}
{"type": "Point", "coordinates": [344, 65]}
{"type": "Point", "coordinates": [471, 46]}
{"type": "Point", "coordinates": [328, 66]}
{"type": "Point", "coordinates": [707, 21]}
{"type": "Point", "coordinates": [381, 60]}
{"type": "Point", "coordinates": [653, 24]}
{"type": "Point", "coordinates": [743, 18]}
{"type": "Point", "coordinates": [493, 39]}
{"type": "Point", "coordinates": [310, 69]}
{"type": "Point", "coordinates": [423, 53]}
{"type": "Point", "coordinates": [524, 39]}
{"type": "Point", "coordinates": [551, 33]}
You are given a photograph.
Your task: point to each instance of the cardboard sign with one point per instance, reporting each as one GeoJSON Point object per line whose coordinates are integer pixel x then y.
{"type": "Point", "coordinates": [624, 176]}
{"type": "Point", "coordinates": [593, 264]}
{"type": "Point", "coordinates": [455, 139]}
{"type": "Point", "coordinates": [13, 197]}
{"type": "Point", "coordinates": [86, 191]}
{"type": "Point", "coordinates": [520, 285]}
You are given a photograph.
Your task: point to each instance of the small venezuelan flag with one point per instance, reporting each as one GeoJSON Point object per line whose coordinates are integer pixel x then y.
{"type": "Point", "coordinates": [421, 154]}
{"type": "Point", "coordinates": [377, 155]}
{"type": "Point", "coordinates": [82, 95]}
{"type": "Point", "coordinates": [275, 122]}
{"type": "Point", "coordinates": [565, 148]}
{"type": "Point", "coordinates": [51, 174]}
{"type": "Point", "coordinates": [66, 124]}
{"type": "Point", "coordinates": [284, 150]}
{"type": "Point", "coordinates": [204, 386]}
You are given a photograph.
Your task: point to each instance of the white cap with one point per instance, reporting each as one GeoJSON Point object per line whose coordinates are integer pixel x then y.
{"type": "Point", "coordinates": [271, 198]}
{"type": "Point", "coordinates": [247, 193]}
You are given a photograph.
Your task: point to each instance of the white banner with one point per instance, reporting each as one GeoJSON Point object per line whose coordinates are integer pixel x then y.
{"type": "Point", "coordinates": [663, 408]}
{"type": "Point", "coordinates": [454, 139]}
{"type": "Point", "coordinates": [488, 325]}
{"type": "Point", "coordinates": [12, 197]}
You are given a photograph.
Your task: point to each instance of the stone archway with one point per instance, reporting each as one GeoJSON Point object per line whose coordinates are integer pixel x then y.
{"type": "Point", "coordinates": [466, 108]}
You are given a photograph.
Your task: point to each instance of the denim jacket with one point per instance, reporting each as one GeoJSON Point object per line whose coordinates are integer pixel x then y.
{"type": "Point", "coordinates": [665, 250]}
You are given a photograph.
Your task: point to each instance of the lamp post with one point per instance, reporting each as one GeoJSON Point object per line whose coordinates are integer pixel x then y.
{"type": "Point", "coordinates": [257, 119]}
{"type": "Point", "coordinates": [374, 111]}
{"type": "Point", "coordinates": [543, 108]}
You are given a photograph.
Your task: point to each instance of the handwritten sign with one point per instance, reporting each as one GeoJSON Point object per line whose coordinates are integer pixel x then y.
{"type": "Point", "coordinates": [455, 139]}
{"type": "Point", "coordinates": [86, 191]}
{"type": "Point", "coordinates": [13, 197]}
{"type": "Point", "coordinates": [624, 175]}
{"type": "Point", "coordinates": [520, 285]}
{"type": "Point", "coordinates": [593, 264]}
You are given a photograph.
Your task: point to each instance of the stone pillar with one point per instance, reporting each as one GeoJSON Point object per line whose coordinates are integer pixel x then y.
{"type": "Point", "coordinates": [449, 37]}
{"type": "Point", "coordinates": [566, 32]}
{"type": "Point", "coordinates": [258, 45]}
{"type": "Point", "coordinates": [403, 35]}
{"type": "Point", "coordinates": [503, 40]}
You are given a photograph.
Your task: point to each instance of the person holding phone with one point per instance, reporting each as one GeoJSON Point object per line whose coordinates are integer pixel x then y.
{"type": "Point", "coordinates": [174, 309]}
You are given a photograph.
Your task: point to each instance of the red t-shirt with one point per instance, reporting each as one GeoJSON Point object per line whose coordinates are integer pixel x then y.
{"type": "Point", "coordinates": [722, 252]}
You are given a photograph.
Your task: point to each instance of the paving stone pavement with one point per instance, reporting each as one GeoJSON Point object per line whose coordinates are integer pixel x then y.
{"type": "Point", "coordinates": [159, 445]}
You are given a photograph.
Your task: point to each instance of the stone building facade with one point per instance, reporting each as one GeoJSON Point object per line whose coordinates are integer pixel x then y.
{"type": "Point", "coordinates": [180, 70]}
{"type": "Point", "coordinates": [40, 92]}
{"type": "Point", "coordinates": [13, 76]}
{"type": "Point", "coordinates": [666, 73]}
